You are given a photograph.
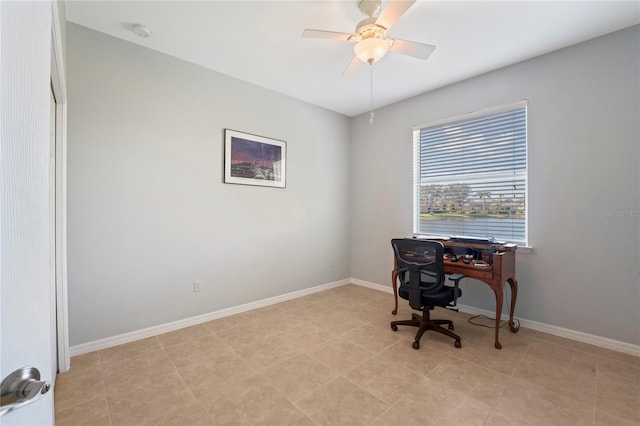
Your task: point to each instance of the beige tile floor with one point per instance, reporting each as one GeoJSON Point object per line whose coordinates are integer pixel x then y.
{"type": "Point", "coordinates": [331, 359]}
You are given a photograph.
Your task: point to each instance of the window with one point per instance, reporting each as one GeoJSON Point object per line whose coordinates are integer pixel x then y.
{"type": "Point", "coordinates": [470, 176]}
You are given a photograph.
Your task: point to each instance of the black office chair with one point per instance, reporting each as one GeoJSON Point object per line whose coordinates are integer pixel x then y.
{"type": "Point", "coordinates": [422, 278]}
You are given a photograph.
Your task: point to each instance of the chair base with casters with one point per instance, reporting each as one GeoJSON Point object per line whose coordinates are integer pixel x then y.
{"type": "Point", "coordinates": [425, 323]}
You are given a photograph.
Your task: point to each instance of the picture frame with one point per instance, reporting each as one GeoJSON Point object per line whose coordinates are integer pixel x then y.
{"type": "Point", "coordinates": [254, 160]}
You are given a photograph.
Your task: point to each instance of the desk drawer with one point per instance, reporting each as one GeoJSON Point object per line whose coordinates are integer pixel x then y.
{"type": "Point", "coordinates": [484, 273]}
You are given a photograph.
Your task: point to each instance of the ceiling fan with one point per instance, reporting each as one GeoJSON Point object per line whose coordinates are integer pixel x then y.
{"type": "Point", "coordinates": [370, 40]}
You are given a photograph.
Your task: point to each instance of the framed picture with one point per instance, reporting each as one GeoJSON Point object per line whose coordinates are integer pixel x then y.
{"type": "Point", "coordinates": [254, 160]}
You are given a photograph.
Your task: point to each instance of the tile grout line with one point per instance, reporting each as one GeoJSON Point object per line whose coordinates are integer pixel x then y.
{"type": "Point", "coordinates": [104, 388]}
{"type": "Point", "coordinates": [595, 394]}
{"type": "Point", "coordinates": [536, 360]}
{"type": "Point", "coordinates": [366, 391]}
{"type": "Point", "coordinates": [306, 414]}
{"type": "Point", "coordinates": [185, 382]}
{"type": "Point", "coordinates": [453, 357]}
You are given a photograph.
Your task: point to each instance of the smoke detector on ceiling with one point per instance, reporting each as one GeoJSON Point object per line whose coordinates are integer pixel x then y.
{"type": "Point", "coordinates": [141, 31]}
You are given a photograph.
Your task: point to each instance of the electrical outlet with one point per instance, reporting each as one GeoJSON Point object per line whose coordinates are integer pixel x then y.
{"type": "Point", "coordinates": [196, 286]}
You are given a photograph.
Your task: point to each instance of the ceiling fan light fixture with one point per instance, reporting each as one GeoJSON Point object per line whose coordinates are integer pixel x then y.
{"type": "Point", "coordinates": [371, 49]}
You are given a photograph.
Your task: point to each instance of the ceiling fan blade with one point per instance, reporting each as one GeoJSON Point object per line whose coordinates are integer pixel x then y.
{"type": "Point", "coordinates": [352, 67]}
{"type": "Point", "coordinates": [326, 34]}
{"type": "Point", "coordinates": [413, 48]}
{"type": "Point", "coordinates": [393, 11]}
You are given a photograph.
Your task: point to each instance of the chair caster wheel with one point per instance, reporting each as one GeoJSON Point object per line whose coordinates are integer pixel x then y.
{"type": "Point", "coordinates": [450, 327]}
{"type": "Point", "coordinates": [394, 327]}
{"type": "Point", "coordinates": [416, 345]}
{"type": "Point", "coordinates": [457, 344]}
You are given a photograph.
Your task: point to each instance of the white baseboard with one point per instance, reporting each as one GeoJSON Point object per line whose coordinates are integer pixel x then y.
{"type": "Point", "coordinates": [379, 287]}
{"type": "Point", "coordinates": [187, 322]}
{"type": "Point", "coordinates": [108, 342]}
{"type": "Point", "coordinates": [579, 336]}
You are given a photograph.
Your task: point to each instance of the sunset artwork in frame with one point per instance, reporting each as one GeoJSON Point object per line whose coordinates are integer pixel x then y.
{"type": "Point", "coordinates": [254, 160]}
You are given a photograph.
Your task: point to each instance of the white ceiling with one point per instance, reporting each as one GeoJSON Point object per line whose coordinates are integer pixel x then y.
{"type": "Point", "coordinates": [260, 41]}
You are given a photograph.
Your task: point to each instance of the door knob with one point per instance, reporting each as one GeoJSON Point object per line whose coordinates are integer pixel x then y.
{"type": "Point", "coordinates": [20, 388]}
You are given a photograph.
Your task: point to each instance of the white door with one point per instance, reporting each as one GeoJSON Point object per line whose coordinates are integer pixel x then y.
{"type": "Point", "coordinates": [25, 289]}
{"type": "Point", "coordinates": [52, 227]}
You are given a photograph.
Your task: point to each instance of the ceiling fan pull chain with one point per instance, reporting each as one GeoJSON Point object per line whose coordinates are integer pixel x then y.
{"type": "Point", "coordinates": [371, 91]}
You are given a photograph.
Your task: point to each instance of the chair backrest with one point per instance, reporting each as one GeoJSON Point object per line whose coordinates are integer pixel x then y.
{"type": "Point", "coordinates": [423, 261]}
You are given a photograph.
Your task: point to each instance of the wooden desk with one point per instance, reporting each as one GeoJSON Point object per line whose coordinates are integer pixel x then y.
{"type": "Point", "coordinates": [501, 268]}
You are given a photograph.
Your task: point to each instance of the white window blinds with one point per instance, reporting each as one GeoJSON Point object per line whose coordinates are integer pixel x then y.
{"type": "Point", "coordinates": [470, 176]}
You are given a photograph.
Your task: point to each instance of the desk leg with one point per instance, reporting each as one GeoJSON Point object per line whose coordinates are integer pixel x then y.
{"type": "Point", "coordinates": [514, 295]}
{"type": "Point", "coordinates": [394, 282]}
{"type": "Point", "coordinates": [498, 292]}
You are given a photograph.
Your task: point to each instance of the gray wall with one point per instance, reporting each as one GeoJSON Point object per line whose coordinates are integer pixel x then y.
{"type": "Point", "coordinates": [147, 210]}
{"type": "Point", "coordinates": [583, 161]}
{"type": "Point", "coordinates": [61, 7]}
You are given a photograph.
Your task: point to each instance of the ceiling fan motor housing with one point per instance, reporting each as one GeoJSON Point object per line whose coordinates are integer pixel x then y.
{"type": "Point", "coordinates": [367, 28]}
{"type": "Point", "coordinates": [370, 8]}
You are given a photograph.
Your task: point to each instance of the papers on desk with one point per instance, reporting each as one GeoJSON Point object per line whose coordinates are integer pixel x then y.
{"type": "Point", "coordinates": [431, 237]}
{"type": "Point", "coordinates": [464, 238]}
{"type": "Point", "coordinates": [472, 239]}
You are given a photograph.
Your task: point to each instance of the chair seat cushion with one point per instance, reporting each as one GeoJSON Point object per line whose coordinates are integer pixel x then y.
{"type": "Point", "coordinates": [440, 298]}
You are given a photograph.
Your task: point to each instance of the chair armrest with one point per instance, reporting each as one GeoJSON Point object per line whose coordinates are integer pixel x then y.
{"type": "Point", "coordinates": [456, 277]}
{"type": "Point", "coordinates": [456, 281]}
